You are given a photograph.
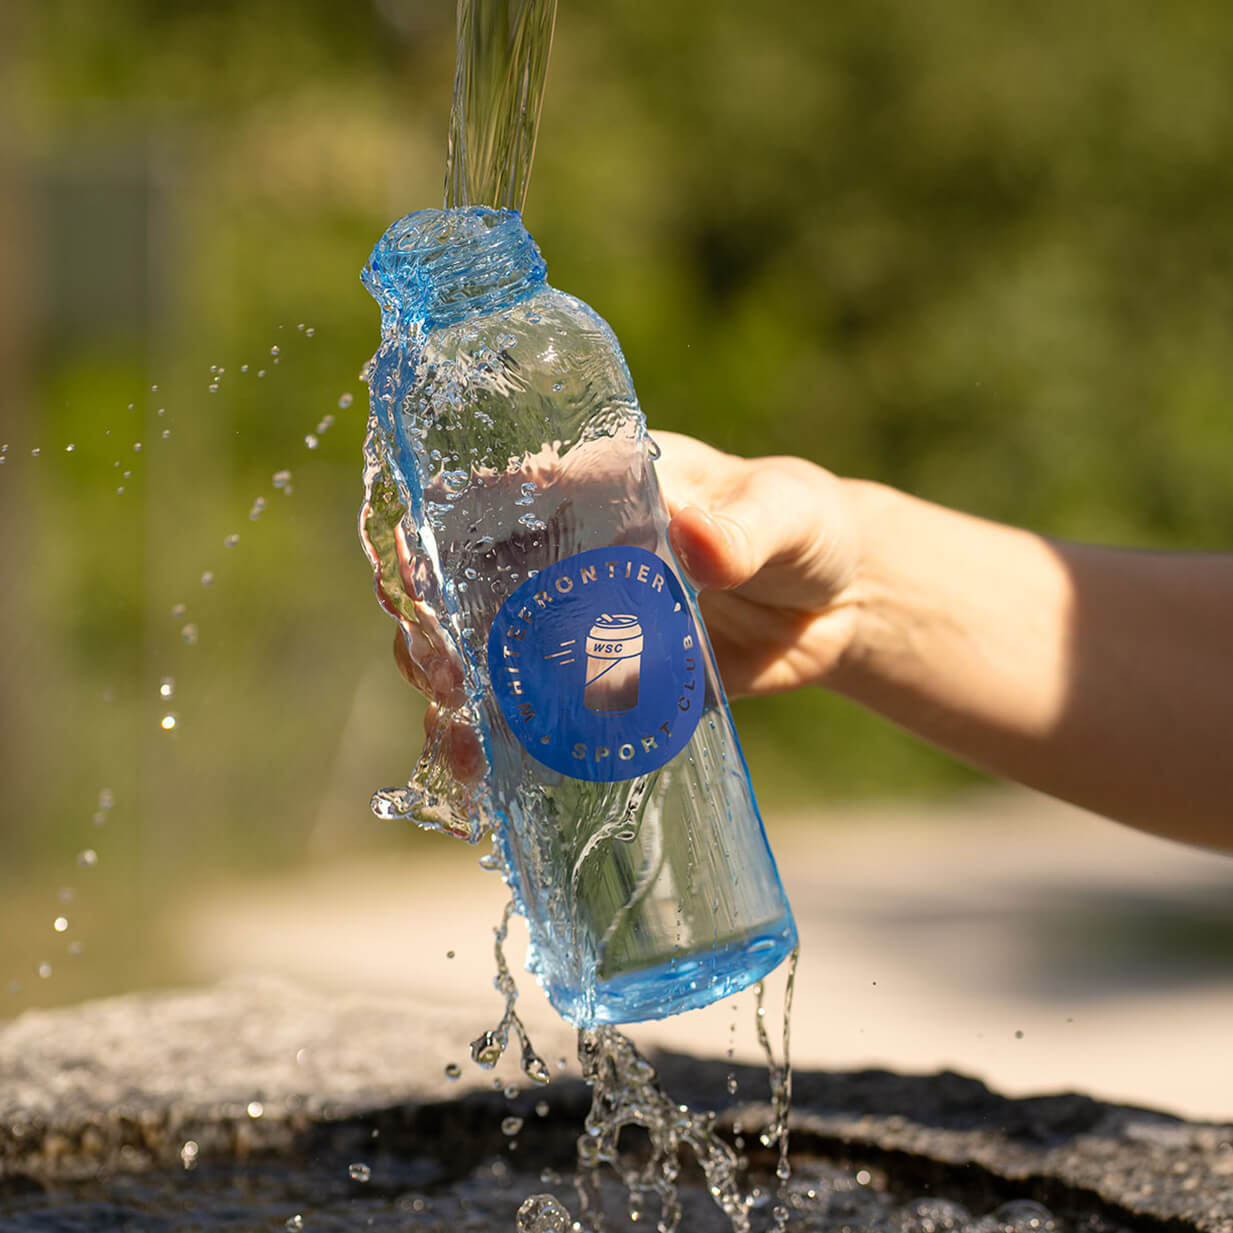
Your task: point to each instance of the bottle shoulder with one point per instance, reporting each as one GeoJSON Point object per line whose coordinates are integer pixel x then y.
{"type": "Point", "coordinates": [550, 341]}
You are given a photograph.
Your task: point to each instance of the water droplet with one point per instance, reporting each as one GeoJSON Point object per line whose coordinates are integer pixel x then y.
{"type": "Point", "coordinates": [34, 453]}
{"type": "Point", "coordinates": [161, 411]}
{"type": "Point", "coordinates": [258, 506]}
{"type": "Point", "coordinates": [189, 1152]}
{"type": "Point", "coordinates": [66, 894]}
{"type": "Point", "coordinates": [486, 1050]}
{"type": "Point", "coordinates": [261, 372]}
{"type": "Point", "coordinates": [154, 389]}
{"type": "Point", "coordinates": [178, 610]}
{"type": "Point", "coordinates": [294, 1224]}
{"type": "Point", "coordinates": [732, 1085]}
{"type": "Point", "coordinates": [281, 479]}
{"type": "Point", "coordinates": [69, 448]}
{"type": "Point", "coordinates": [541, 1108]}
{"type": "Point", "coordinates": [230, 541]}
{"type": "Point", "coordinates": [556, 387]}
{"type": "Point", "coordinates": [453, 1071]}
{"type": "Point", "coordinates": [309, 332]}
{"type": "Point", "coordinates": [863, 1177]}
{"type": "Point", "coordinates": [213, 387]}
{"type": "Point", "coordinates": [511, 1126]}
{"type": "Point", "coordinates": [532, 523]}
{"type": "Point", "coordinates": [449, 954]}
{"type": "Point", "coordinates": [541, 1213]}
{"type": "Point", "coordinates": [528, 495]}
{"type": "Point", "coordinates": [1019, 1034]}
{"type": "Point", "coordinates": [166, 433]}
{"type": "Point", "coordinates": [359, 1172]}
{"type": "Point", "coordinates": [311, 441]}
{"type": "Point", "coordinates": [168, 722]}
{"type": "Point", "coordinates": [326, 423]}
{"type": "Point", "coordinates": [345, 400]}
{"type": "Point", "coordinates": [510, 1092]}
{"type": "Point", "coordinates": [136, 447]}
{"type": "Point", "coordinates": [74, 949]}
{"type": "Point", "coordinates": [44, 971]}
{"type": "Point", "coordinates": [534, 1066]}
{"type": "Point", "coordinates": [207, 578]}
{"type": "Point", "coordinates": [106, 798]}
{"type": "Point", "coordinates": [60, 924]}
{"type": "Point", "coordinates": [189, 634]}
{"type": "Point", "coordinates": [255, 1109]}
{"type": "Point", "coordinates": [87, 858]}
{"type": "Point", "coordinates": [167, 687]}
{"type": "Point", "coordinates": [1024, 1216]}
{"type": "Point", "coordinates": [274, 350]}
{"type": "Point", "coordinates": [244, 368]}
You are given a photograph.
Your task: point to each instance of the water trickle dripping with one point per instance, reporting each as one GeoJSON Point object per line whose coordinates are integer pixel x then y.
{"type": "Point", "coordinates": [781, 1085]}
{"type": "Point", "coordinates": [488, 1048]}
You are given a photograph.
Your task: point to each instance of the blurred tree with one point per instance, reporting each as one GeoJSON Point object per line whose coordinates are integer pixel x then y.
{"type": "Point", "coordinates": [976, 251]}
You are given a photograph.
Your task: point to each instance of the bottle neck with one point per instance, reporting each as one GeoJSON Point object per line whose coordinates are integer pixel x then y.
{"type": "Point", "coordinates": [438, 267]}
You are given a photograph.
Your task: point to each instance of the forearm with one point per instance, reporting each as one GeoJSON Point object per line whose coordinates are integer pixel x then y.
{"type": "Point", "coordinates": [1101, 676]}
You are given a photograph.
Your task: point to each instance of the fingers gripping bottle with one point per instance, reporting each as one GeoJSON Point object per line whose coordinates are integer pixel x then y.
{"type": "Point", "coordinates": [517, 533]}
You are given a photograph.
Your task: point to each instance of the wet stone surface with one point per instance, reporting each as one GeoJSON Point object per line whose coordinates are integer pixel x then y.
{"type": "Point", "coordinates": [245, 1107]}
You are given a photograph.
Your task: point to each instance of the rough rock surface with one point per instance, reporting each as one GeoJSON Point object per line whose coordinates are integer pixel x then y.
{"type": "Point", "coordinates": [123, 1084]}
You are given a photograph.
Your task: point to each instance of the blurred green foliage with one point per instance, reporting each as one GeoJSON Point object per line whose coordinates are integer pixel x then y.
{"type": "Point", "coordinates": [977, 251]}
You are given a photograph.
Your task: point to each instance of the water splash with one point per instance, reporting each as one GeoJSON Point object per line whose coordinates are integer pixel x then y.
{"type": "Point", "coordinates": [625, 1092]}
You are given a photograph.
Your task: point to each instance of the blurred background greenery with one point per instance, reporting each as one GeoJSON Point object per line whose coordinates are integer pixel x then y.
{"type": "Point", "coordinates": [981, 252]}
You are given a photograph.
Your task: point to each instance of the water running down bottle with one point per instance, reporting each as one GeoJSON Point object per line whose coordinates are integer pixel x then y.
{"type": "Point", "coordinates": [515, 525]}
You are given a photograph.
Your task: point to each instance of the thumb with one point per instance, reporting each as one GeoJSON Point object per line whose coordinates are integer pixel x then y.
{"type": "Point", "coordinates": [725, 545]}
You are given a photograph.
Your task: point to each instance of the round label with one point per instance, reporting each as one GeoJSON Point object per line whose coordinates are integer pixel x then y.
{"type": "Point", "coordinates": [596, 666]}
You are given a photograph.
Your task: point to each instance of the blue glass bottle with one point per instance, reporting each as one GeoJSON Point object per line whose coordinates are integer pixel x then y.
{"type": "Point", "coordinates": [516, 529]}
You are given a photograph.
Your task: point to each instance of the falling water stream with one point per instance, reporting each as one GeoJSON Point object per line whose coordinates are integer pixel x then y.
{"type": "Point", "coordinates": [503, 49]}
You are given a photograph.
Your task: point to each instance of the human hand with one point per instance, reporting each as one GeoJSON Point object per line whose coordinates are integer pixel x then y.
{"type": "Point", "coordinates": [428, 660]}
{"type": "Point", "coordinates": [774, 546]}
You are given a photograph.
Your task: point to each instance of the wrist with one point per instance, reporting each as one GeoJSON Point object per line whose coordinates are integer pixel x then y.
{"type": "Point", "coordinates": [877, 598]}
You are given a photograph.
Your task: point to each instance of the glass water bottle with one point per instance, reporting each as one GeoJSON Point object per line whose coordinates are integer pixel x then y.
{"type": "Point", "coordinates": [517, 532]}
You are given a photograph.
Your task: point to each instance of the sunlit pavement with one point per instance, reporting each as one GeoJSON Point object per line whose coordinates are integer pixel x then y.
{"type": "Point", "coordinates": [1028, 943]}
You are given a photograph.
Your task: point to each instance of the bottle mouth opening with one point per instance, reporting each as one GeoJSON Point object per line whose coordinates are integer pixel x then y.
{"type": "Point", "coordinates": [439, 266]}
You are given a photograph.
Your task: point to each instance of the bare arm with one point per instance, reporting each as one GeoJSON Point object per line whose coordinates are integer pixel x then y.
{"type": "Point", "coordinates": [1099, 675]}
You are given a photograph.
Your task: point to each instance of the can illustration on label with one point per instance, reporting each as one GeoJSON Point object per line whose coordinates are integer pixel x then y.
{"type": "Point", "coordinates": [614, 663]}
{"type": "Point", "coordinates": [596, 664]}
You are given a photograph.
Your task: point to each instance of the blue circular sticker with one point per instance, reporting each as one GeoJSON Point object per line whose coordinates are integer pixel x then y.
{"type": "Point", "coordinates": [596, 666]}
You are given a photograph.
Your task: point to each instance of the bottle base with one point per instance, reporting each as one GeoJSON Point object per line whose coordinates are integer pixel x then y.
{"type": "Point", "coordinates": [685, 982]}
